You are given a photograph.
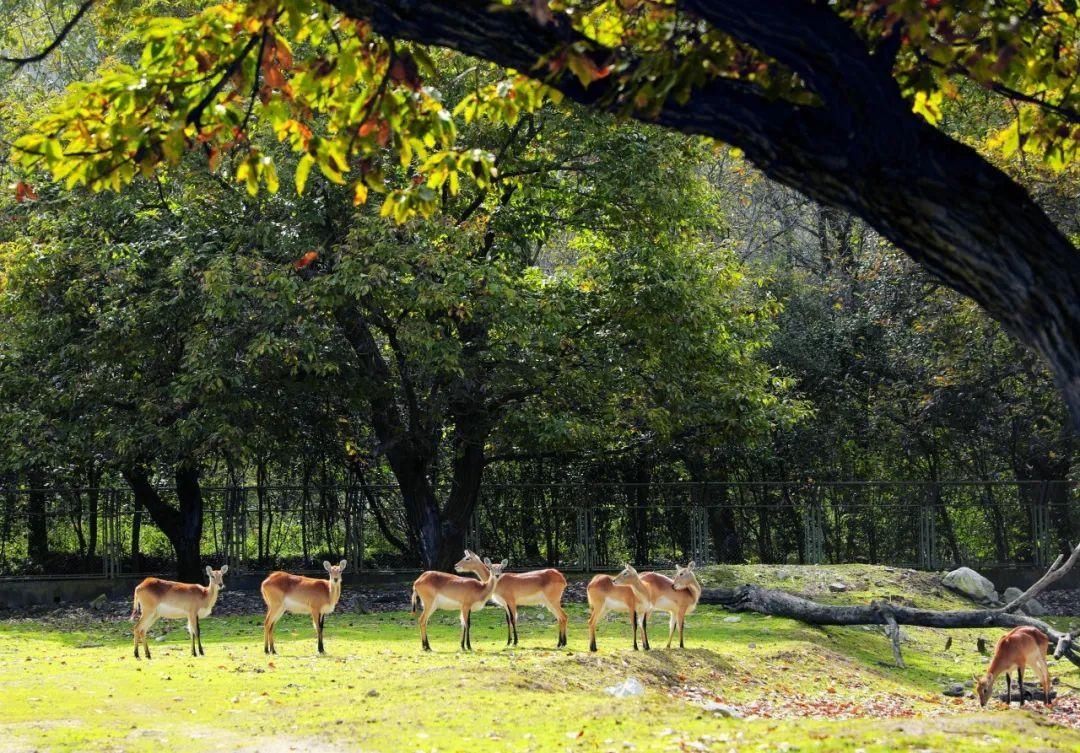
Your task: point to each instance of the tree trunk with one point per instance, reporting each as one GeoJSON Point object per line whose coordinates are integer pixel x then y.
{"type": "Point", "coordinates": [37, 529]}
{"type": "Point", "coordinates": [961, 218]}
{"type": "Point", "coordinates": [404, 440]}
{"type": "Point", "coordinates": [136, 538]}
{"type": "Point", "coordinates": [183, 526]}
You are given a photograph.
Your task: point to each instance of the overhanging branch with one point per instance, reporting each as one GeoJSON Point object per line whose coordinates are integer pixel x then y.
{"type": "Point", "coordinates": [61, 35]}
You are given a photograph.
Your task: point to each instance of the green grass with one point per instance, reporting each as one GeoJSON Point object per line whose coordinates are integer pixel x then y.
{"type": "Point", "coordinates": [74, 686]}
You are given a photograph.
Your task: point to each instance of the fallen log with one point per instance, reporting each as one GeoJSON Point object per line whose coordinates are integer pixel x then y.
{"type": "Point", "coordinates": [751, 598]}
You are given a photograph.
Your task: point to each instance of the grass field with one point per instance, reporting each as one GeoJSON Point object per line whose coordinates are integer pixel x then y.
{"type": "Point", "coordinates": [73, 685]}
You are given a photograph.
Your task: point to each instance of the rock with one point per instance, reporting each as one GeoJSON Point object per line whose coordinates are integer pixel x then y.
{"type": "Point", "coordinates": [373, 693]}
{"type": "Point", "coordinates": [627, 688]}
{"type": "Point", "coordinates": [966, 581]}
{"type": "Point", "coordinates": [733, 618]}
{"type": "Point", "coordinates": [955, 690]}
{"type": "Point", "coordinates": [782, 575]}
{"type": "Point", "coordinates": [1033, 607]}
{"type": "Point", "coordinates": [722, 709]}
{"type": "Point", "coordinates": [99, 602]}
{"type": "Point", "coordinates": [837, 587]}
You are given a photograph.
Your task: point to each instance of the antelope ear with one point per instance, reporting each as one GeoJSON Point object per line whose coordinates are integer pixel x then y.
{"type": "Point", "coordinates": [326, 566]}
{"type": "Point", "coordinates": [975, 678]}
{"type": "Point", "coordinates": [690, 566]}
{"type": "Point", "coordinates": [504, 564]}
{"type": "Point", "coordinates": [487, 562]}
{"type": "Point", "coordinates": [209, 571]}
{"type": "Point", "coordinates": [224, 569]}
{"type": "Point", "coordinates": [342, 565]}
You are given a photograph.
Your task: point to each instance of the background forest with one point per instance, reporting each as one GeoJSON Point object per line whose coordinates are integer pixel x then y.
{"type": "Point", "coordinates": [619, 305]}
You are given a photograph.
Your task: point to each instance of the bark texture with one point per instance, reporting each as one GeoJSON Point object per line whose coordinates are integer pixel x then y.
{"type": "Point", "coordinates": [862, 150]}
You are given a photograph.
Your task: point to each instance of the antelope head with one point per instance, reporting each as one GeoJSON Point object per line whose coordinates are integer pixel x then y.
{"type": "Point", "coordinates": [217, 577]}
{"type": "Point", "coordinates": [627, 577]}
{"type": "Point", "coordinates": [984, 686]}
{"type": "Point", "coordinates": [335, 571]}
{"type": "Point", "coordinates": [684, 577]}
{"type": "Point", "coordinates": [471, 563]}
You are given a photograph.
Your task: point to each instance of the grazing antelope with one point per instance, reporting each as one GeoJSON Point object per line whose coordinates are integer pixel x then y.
{"type": "Point", "coordinates": [538, 587]}
{"type": "Point", "coordinates": [156, 598]}
{"type": "Point", "coordinates": [444, 591]}
{"type": "Point", "coordinates": [297, 594]}
{"type": "Point", "coordinates": [1021, 647]}
{"type": "Point", "coordinates": [678, 597]}
{"type": "Point", "coordinates": [607, 594]}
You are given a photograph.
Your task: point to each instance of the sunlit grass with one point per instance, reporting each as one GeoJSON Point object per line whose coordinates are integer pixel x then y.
{"type": "Point", "coordinates": [75, 686]}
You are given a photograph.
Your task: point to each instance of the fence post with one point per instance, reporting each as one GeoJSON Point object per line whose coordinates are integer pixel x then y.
{"type": "Point", "coordinates": [110, 555]}
{"type": "Point", "coordinates": [584, 537]}
{"type": "Point", "coordinates": [1041, 545]}
{"type": "Point", "coordinates": [814, 532]}
{"type": "Point", "coordinates": [472, 532]}
{"type": "Point", "coordinates": [354, 527]}
{"type": "Point", "coordinates": [927, 537]}
{"type": "Point", "coordinates": [699, 530]}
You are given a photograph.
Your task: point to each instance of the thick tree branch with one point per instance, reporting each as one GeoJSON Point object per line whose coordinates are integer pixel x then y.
{"type": "Point", "coordinates": [1054, 573]}
{"type": "Point", "coordinates": [864, 151]}
{"type": "Point", "coordinates": [780, 604]}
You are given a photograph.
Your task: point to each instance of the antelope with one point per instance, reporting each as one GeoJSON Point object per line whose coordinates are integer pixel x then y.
{"type": "Point", "coordinates": [1021, 647]}
{"type": "Point", "coordinates": [607, 594]}
{"type": "Point", "coordinates": [539, 587]}
{"type": "Point", "coordinates": [438, 590]}
{"type": "Point", "coordinates": [156, 598]}
{"type": "Point", "coordinates": [678, 597]}
{"type": "Point", "coordinates": [296, 594]}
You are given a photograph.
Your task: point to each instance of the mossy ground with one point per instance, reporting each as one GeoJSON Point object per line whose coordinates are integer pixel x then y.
{"type": "Point", "coordinates": [74, 686]}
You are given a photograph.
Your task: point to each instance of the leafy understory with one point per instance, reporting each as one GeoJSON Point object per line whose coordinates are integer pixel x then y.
{"type": "Point", "coordinates": [72, 685]}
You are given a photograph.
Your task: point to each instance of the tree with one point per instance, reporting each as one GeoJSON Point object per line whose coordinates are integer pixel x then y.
{"type": "Point", "coordinates": [577, 307]}
{"type": "Point", "coordinates": [126, 334]}
{"type": "Point", "coordinates": [819, 96]}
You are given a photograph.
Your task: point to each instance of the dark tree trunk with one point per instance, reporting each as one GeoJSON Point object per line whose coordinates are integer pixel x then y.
{"type": "Point", "coordinates": [136, 538]}
{"type": "Point", "coordinates": [37, 529]}
{"type": "Point", "coordinates": [182, 526]}
{"type": "Point", "coordinates": [93, 496]}
{"type": "Point", "coordinates": [962, 219]}
{"type": "Point", "coordinates": [405, 440]}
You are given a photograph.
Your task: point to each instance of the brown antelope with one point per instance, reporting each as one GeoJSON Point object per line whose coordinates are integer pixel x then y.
{"type": "Point", "coordinates": [297, 594]}
{"type": "Point", "coordinates": [538, 587]}
{"type": "Point", "coordinates": [678, 597]}
{"type": "Point", "coordinates": [1020, 648]}
{"type": "Point", "coordinates": [444, 591]}
{"type": "Point", "coordinates": [607, 594]}
{"type": "Point", "coordinates": [156, 598]}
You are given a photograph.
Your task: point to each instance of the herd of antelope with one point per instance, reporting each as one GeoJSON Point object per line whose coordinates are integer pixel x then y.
{"type": "Point", "coordinates": [638, 594]}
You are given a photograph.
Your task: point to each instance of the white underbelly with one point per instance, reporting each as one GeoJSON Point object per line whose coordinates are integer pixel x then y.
{"type": "Point", "coordinates": [445, 602]}
{"type": "Point", "coordinates": [205, 612]}
{"type": "Point", "coordinates": [292, 606]}
{"type": "Point", "coordinates": [614, 605]}
{"type": "Point", "coordinates": [665, 605]}
{"type": "Point", "coordinates": [533, 599]}
{"type": "Point", "coordinates": [171, 612]}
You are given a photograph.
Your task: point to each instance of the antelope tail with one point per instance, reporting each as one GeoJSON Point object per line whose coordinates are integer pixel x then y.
{"type": "Point", "coordinates": [136, 607]}
{"type": "Point", "coordinates": [415, 599]}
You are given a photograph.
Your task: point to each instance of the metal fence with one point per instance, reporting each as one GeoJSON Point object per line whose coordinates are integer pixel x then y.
{"type": "Point", "coordinates": [572, 526]}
